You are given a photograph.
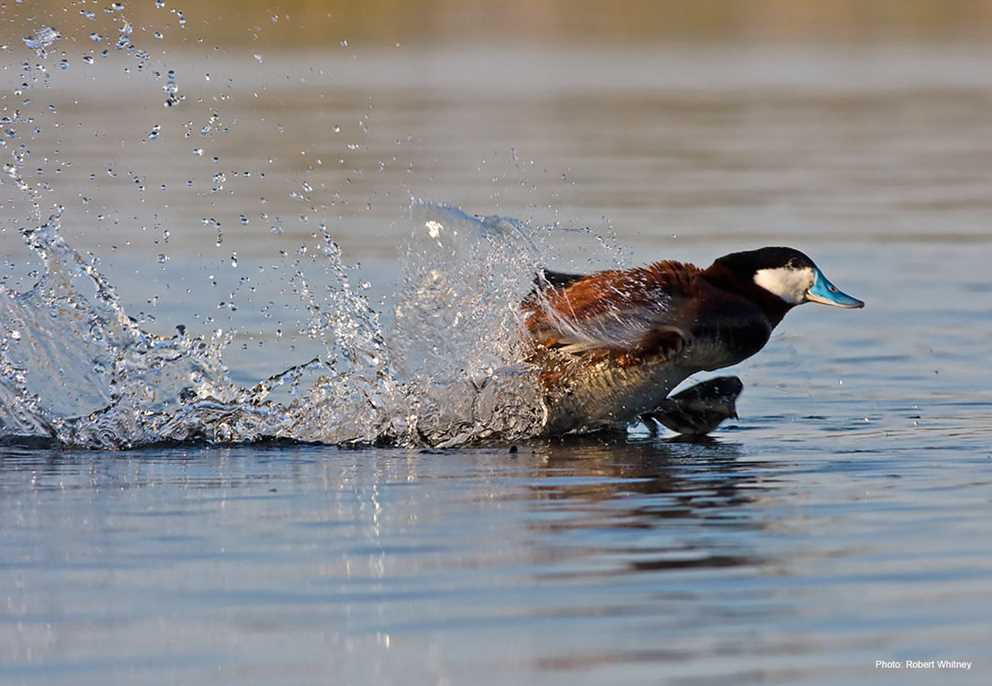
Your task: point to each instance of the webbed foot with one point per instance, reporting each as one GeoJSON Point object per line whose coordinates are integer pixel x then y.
{"type": "Point", "coordinates": [699, 409]}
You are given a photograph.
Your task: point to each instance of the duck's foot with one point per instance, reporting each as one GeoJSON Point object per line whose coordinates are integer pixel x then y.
{"type": "Point", "coordinates": [699, 409]}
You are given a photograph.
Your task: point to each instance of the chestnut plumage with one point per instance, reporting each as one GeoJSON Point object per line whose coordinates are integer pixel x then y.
{"type": "Point", "coordinates": [613, 344]}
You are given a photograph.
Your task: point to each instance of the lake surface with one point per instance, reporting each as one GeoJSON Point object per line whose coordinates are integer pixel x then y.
{"type": "Point", "coordinates": [842, 520]}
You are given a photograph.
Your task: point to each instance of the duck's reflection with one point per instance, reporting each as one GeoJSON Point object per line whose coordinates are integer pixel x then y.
{"type": "Point", "coordinates": [648, 505]}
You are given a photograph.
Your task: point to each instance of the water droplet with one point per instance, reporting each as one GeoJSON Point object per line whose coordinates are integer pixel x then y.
{"type": "Point", "coordinates": [171, 89]}
{"type": "Point", "coordinates": [96, 37]}
{"type": "Point", "coordinates": [163, 258]}
{"type": "Point", "coordinates": [258, 58]}
{"type": "Point", "coordinates": [244, 219]}
{"type": "Point", "coordinates": [88, 59]}
{"type": "Point", "coordinates": [198, 152]}
{"type": "Point", "coordinates": [218, 181]}
{"type": "Point", "coordinates": [15, 334]}
{"type": "Point", "coordinates": [153, 134]}
{"type": "Point", "coordinates": [42, 39]}
{"type": "Point", "coordinates": [234, 260]}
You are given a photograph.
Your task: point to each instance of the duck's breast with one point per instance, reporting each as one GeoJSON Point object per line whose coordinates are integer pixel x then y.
{"type": "Point", "coordinates": [725, 332]}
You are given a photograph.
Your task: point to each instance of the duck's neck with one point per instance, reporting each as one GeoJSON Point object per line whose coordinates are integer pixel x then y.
{"type": "Point", "coordinates": [773, 306]}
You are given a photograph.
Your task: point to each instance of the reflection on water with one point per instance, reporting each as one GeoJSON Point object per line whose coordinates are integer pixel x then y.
{"type": "Point", "coordinates": [722, 561]}
{"type": "Point", "coordinates": [612, 484]}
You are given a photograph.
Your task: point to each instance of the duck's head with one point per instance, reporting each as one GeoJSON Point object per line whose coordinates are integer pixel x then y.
{"type": "Point", "coordinates": [787, 274]}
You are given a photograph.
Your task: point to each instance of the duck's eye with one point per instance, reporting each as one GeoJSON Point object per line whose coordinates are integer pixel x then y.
{"type": "Point", "coordinates": [832, 288]}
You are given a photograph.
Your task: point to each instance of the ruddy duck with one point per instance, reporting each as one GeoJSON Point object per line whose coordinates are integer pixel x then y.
{"type": "Point", "coordinates": [611, 346]}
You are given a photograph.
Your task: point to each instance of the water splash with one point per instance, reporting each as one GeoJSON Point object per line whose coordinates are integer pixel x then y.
{"type": "Point", "coordinates": [456, 338]}
{"type": "Point", "coordinates": [76, 370]}
{"type": "Point", "coordinates": [463, 280]}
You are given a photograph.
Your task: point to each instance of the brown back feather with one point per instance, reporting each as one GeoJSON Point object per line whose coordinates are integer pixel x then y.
{"type": "Point", "coordinates": [606, 293]}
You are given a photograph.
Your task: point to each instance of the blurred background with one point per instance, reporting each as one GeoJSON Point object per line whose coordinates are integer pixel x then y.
{"type": "Point", "coordinates": [197, 149]}
{"type": "Point", "coordinates": [314, 23]}
{"type": "Point", "coordinates": [669, 129]}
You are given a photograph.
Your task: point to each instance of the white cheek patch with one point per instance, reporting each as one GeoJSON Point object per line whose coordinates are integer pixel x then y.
{"type": "Point", "coordinates": [788, 283]}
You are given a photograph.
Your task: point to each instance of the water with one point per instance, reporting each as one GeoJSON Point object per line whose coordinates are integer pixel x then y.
{"type": "Point", "coordinates": [760, 558]}
{"type": "Point", "coordinates": [264, 207]}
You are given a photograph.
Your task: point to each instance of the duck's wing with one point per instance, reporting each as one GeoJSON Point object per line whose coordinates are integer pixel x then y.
{"type": "Point", "coordinates": [643, 310]}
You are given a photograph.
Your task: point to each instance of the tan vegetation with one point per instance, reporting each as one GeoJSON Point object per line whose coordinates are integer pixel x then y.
{"type": "Point", "coordinates": [312, 23]}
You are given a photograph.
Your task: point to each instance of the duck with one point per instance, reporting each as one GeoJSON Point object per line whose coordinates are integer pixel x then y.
{"type": "Point", "coordinates": [609, 347]}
